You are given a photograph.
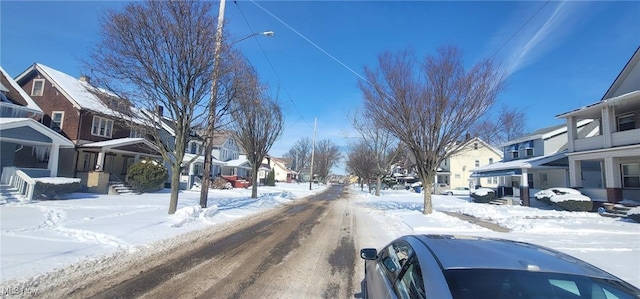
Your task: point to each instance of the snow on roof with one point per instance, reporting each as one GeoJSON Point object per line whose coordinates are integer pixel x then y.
{"type": "Point", "coordinates": [519, 164]}
{"type": "Point", "coordinates": [200, 159]}
{"type": "Point", "coordinates": [13, 122]}
{"type": "Point", "coordinates": [79, 92]}
{"type": "Point", "coordinates": [237, 162]}
{"type": "Point", "coordinates": [116, 142]}
{"type": "Point", "coordinates": [30, 103]}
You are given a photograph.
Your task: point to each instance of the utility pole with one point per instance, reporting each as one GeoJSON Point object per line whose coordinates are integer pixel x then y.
{"type": "Point", "coordinates": [313, 151]}
{"type": "Point", "coordinates": [211, 120]}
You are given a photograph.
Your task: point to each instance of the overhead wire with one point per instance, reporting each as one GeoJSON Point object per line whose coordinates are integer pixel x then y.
{"type": "Point", "coordinates": [272, 67]}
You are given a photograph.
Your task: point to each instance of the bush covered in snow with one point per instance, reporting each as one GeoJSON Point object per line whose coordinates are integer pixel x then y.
{"type": "Point", "coordinates": [565, 198]}
{"type": "Point", "coordinates": [575, 205]}
{"type": "Point", "coordinates": [634, 214]}
{"type": "Point", "coordinates": [49, 188]}
{"type": "Point", "coordinates": [146, 176]}
{"type": "Point", "coordinates": [483, 195]}
{"type": "Point", "coordinates": [221, 183]}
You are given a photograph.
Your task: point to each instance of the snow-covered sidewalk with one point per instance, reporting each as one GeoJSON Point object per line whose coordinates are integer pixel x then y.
{"type": "Point", "coordinates": [43, 236]}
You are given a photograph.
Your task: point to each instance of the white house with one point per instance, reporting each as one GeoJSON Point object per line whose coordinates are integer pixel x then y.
{"type": "Point", "coordinates": [533, 162]}
{"type": "Point", "coordinates": [607, 164]}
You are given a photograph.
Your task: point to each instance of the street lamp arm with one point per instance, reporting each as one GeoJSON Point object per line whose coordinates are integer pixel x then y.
{"type": "Point", "coordinates": [265, 33]}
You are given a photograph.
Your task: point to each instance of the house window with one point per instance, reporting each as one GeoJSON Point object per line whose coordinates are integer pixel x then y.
{"type": "Point", "coordinates": [515, 154]}
{"type": "Point", "coordinates": [136, 133]}
{"type": "Point", "coordinates": [530, 180]}
{"type": "Point", "coordinates": [528, 152]}
{"type": "Point", "coordinates": [101, 127]}
{"type": "Point", "coordinates": [631, 175]}
{"type": "Point", "coordinates": [194, 148]}
{"type": "Point", "coordinates": [37, 88]}
{"type": "Point", "coordinates": [477, 163]}
{"type": "Point", "coordinates": [56, 120]}
{"type": "Point", "coordinates": [490, 160]}
{"type": "Point", "coordinates": [626, 122]}
{"type": "Point", "coordinates": [475, 146]}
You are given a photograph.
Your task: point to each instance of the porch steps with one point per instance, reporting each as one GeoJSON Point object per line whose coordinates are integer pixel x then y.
{"type": "Point", "coordinates": [505, 201]}
{"type": "Point", "coordinates": [613, 210]}
{"type": "Point", "coordinates": [120, 189]}
{"type": "Point", "coordinates": [9, 193]}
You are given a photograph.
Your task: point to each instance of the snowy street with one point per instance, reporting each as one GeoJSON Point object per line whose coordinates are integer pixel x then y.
{"type": "Point", "coordinates": [49, 245]}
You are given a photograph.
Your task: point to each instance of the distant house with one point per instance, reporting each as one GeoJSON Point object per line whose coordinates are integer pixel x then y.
{"type": "Point", "coordinates": [606, 164]}
{"type": "Point", "coordinates": [227, 150]}
{"type": "Point", "coordinates": [105, 145]}
{"type": "Point", "coordinates": [27, 148]}
{"type": "Point", "coordinates": [533, 162]}
{"type": "Point", "coordinates": [455, 171]}
{"type": "Point", "coordinates": [280, 168]}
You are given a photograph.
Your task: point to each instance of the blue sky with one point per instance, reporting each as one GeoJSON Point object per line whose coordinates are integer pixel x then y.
{"type": "Point", "coordinates": [562, 58]}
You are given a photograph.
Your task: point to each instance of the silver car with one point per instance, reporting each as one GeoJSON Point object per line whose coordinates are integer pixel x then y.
{"type": "Point", "coordinates": [444, 266]}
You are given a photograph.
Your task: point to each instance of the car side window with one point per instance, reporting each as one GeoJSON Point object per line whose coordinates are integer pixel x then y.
{"type": "Point", "coordinates": [410, 283]}
{"type": "Point", "coordinates": [394, 257]}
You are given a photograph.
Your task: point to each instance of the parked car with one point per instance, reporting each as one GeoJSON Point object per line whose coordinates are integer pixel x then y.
{"type": "Point", "coordinates": [559, 194]}
{"type": "Point", "coordinates": [445, 266]}
{"type": "Point", "coordinates": [456, 191]}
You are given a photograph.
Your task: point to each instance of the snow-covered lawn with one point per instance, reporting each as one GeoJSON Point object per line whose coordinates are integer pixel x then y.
{"type": "Point", "coordinates": [42, 236]}
{"type": "Point", "coordinates": [611, 244]}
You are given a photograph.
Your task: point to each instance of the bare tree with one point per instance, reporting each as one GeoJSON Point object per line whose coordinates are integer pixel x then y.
{"type": "Point", "coordinates": [300, 153]}
{"type": "Point", "coordinates": [507, 125]}
{"type": "Point", "coordinates": [383, 146]}
{"type": "Point", "coordinates": [359, 162]}
{"type": "Point", "coordinates": [159, 54]}
{"type": "Point", "coordinates": [429, 105]}
{"type": "Point", "coordinates": [327, 155]}
{"type": "Point", "coordinates": [257, 123]}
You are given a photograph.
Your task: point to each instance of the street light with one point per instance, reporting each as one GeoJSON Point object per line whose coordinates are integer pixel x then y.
{"type": "Point", "coordinates": [206, 172]}
{"type": "Point", "coordinates": [265, 33]}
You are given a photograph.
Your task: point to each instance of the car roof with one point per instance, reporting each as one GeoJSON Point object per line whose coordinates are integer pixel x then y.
{"type": "Point", "coordinates": [465, 252]}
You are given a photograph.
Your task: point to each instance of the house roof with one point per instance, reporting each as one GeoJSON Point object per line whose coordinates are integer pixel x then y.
{"type": "Point", "coordinates": [546, 133]}
{"type": "Point", "coordinates": [200, 159]}
{"type": "Point", "coordinates": [484, 143]}
{"type": "Point", "coordinates": [7, 123]}
{"type": "Point", "coordinates": [243, 163]}
{"type": "Point", "coordinates": [80, 93]}
{"type": "Point", "coordinates": [497, 168]}
{"type": "Point", "coordinates": [124, 144]}
{"type": "Point", "coordinates": [633, 63]}
{"type": "Point", "coordinates": [15, 93]}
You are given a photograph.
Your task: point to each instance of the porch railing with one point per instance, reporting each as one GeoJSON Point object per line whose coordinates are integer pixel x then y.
{"type": "Point", "coordinates": [19, 181]}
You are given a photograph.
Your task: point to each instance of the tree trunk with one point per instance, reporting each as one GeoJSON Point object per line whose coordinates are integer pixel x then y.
{"type": "Point", "coordinates": [254, 182]}
{"type": "Point", "coordinates": [175, 187]}
{"type": "Point", "coordinates": [428, 207]}
{"type": "Point", "coordinates": [379, 183]}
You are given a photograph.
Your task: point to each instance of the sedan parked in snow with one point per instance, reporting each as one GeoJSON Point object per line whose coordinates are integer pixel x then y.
{"type": "Point", "coordinates": [456, 191]}
{"type": "Point", "coordinates": [443, 266]}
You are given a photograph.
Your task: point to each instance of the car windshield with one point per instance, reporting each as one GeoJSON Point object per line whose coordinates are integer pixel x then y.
{"type": "Point", "coordinates": [490, 284]}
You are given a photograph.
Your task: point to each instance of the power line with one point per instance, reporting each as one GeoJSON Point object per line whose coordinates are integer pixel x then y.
{"type": "Point", "coordinates": [272, 68]}
{"type": "Point", "coordinates": [519, 29]}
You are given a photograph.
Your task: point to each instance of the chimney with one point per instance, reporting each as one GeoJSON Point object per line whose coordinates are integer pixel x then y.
{"type": "Point", "coordinates": [159, 110]}
{"type": "Point", "coordinates": [85, 78]}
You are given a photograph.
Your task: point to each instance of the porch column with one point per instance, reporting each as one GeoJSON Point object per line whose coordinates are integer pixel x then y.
{"type": "Point", "coordinates": [608, 125]}
{"type": "Point", "coordinates": [575, 173]}
{"type": "Point", "coordinates": [136, 158]}
{"type": "Point", "coordinates": [572, 131]}
{"type": "Point", "coordinates": [613, 179]}
{"type": "Point", "coordinates": [100, 161]}
{"type": "Point", "coordinates": [191, 178]}
{"type": "Point", "coordinates": [524, 188]}
{"type": "Point", "coordinates": [54, 156]}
